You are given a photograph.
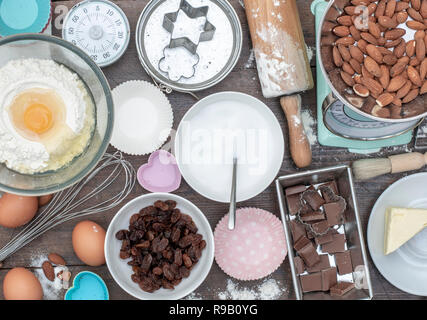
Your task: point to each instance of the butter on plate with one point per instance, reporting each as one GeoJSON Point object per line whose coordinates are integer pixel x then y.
{"type": "Point", "coordinates": [401, 224]}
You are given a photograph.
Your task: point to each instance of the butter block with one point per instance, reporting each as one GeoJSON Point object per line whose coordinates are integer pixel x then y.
{"type": "Point", "coordinates": [401, 224]}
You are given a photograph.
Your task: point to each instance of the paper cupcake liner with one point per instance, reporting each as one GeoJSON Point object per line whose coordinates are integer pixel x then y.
{"type": "Point", "coordinates": [254, 249]}
{"type": "Point", "coordinates": [143, 118]}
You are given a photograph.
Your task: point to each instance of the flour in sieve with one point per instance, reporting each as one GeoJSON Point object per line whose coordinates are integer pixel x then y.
{"type": "Point", "coordinates": [214, 54]}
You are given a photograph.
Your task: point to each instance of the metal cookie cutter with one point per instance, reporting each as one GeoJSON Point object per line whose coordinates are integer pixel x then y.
{"type": "Point", "coordinates": [207, 34]}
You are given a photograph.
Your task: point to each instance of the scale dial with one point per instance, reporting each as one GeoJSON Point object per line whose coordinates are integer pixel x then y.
{"type": "Point", "coordinates": [98, 27]}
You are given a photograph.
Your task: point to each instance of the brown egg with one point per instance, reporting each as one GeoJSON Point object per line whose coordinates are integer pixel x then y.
{"type": "Point", "coordinates": [22, 284]}
{"type": "Point", "coordinates": [88, 243]}
{"type": "Point", "coordinates": [16, 211]}
{"type": "Point", "coordinates": [44, 200]}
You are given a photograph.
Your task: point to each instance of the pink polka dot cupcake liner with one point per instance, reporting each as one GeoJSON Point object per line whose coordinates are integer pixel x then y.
{"type": "Point", "coordinates": [254, 249]}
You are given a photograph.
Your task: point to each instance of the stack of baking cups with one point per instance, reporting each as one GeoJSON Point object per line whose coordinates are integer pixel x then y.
{"type": "Point", "coordinates": [24, 16]}
{"type": "Point", "coordinates": [143, 118]}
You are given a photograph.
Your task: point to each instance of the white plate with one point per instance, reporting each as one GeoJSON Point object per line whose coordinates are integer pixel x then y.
{"type": "Point", "coordinates": [122, 272]}
{"type": "Point", "coordinates": [210, 131]}
{"type": "Point", "coordinates": [406, 267]}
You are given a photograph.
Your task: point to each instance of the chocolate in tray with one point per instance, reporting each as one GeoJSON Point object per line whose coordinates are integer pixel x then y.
{"type": "Point", "coordinates": [322, 260]}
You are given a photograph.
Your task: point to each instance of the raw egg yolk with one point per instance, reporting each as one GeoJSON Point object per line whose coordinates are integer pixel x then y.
{"type": "Point", "coordinates": [38, 118]}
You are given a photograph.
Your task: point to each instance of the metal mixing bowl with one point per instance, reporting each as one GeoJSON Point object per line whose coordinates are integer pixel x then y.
{"type": "Point", "coordinates": [411, 111]}
{"type": "Point", "coordinates": [48, 47]}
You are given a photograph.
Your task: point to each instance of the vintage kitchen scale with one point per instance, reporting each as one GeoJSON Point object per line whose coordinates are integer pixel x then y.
{"type": "Point", "coordinates": [340, 126]}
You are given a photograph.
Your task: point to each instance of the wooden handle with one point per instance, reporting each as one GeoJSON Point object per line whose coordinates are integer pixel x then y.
{"type": "Point", "coordinates": [407, 162]}
{"type": "Point", "coordinates": [279, 47]}
{"type": "Point", "coordinates": [298, 142]}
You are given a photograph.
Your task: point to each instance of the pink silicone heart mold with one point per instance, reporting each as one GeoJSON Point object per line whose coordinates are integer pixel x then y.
{"type": "Point", "coordinates": [160, 174]}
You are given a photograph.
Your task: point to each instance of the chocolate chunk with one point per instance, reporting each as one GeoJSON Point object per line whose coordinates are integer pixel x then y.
{"type": "Point", "coordinates": [305, 208]}
{"type": "Point", "coordinates": [329, 278]}
{"type": "Point", "coordinates": [294, 203]}
{"type": "Point", "coordinates": [309, 254]}
{"type": "Point", "coordinates": [322, 264]}
{"type": "Point", "coordinates": [313, 198]}
{"type": "Point", "coordinates": [320, 227]}
{"type": "Point", "coordinates": [325, 238]}
{"type": "Point", "coordinates": [311, 282]}
{"type": "Point", "coordinates": [334, 211]}
{"type": "Point", "coordinates": [301, 243]}
{"type": "Point", "coordinates": [312, 216]}
{"type": "Point", "coordinates": [343, 262]}
{"type": "Point", "coordinates": [297, 230]}
{"type": "Point", "coordinates": [336, 245]}
{"type": "Point", "coordinates": [299, 265]}
{"type": "Point", "coordinates": [328, 194]}
{"type": "Point", "coordinates": [295, 190]}
{"type": "Point", "coordinates": [331, 184]}
{"type": "Point", "coordinates": [341, 288]}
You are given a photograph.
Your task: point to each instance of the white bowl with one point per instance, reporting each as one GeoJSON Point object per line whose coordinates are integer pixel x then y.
{"type": "Point", "coordinates": [404, 268]}
{"type": "Point", "coordinates": [122, 272]}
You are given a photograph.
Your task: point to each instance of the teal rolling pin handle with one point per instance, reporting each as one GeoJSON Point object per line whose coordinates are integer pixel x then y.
{"type": "Point", "coordinates": [24, 16]}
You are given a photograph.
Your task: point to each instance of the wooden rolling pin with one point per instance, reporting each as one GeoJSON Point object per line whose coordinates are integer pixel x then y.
{"type": "Point", "coordinates": [370, 168]}
{"type": "Point", "coordinates": [282, 62]}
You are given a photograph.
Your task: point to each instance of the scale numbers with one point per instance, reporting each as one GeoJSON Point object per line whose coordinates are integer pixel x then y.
{"type": "Point", "coordinates": [98, 27]}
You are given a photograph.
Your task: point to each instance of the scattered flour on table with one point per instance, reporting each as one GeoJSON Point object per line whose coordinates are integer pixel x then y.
{"type": "Point", "coordinates": [193, 296]}
{"type": "Point", "coordinates": [310, 52]}
{"type": "Point", "coordinates": [270, 289]}
{"type": "Point", "coordinates": [309, 126]}
{"type": "Point", "coordinates": [52, 290]}
{"type": "Point", "coordinates": [251, 60]}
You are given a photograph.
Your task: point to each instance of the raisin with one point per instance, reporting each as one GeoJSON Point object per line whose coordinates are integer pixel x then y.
{"type": "Point", "coordinates": [178, 257]}
{"type": "Point", "coordinates": [134, 218]}
{"type": "Point", "coordinates": [202, 244]}
{"type": "Point", "coordinates": [157, 271]}
{"type": "Point", "coordinates": [187, 261]}
{"type": "Point", "coordinates": [167, 272]}
{"type": "Point", "coordinates": [143, 245]}
{"type": "Point", "coordinates": [124, 254]}
{"type": "Point", "coordinates": [121, 235]}
{"type": "Point", "coordinates": [146, 262]}
{"type": "Point", "coordinates": [161, 205]}
{"type": "Point", "coordinates": [176, 234]}
{"type": "Point", "coordinates": [149, 235]}
{"type": "Point", "coordinates": [184, 272]}
{"type": "Point", "coordinates": [185, 241]}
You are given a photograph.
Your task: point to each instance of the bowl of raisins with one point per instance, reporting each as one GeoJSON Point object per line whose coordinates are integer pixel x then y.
{"type": "Point", "coordinates": [159, 246]}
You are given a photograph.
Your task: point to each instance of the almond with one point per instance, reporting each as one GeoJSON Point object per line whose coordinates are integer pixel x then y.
{"type": "Point", "coordinates": [390, 8]}
{"type": "Point", "coordinates": [336, 56]}
{"type": "Point", "coordinates": [341, 31]}
{"type": "Point", "coordinates": [361, 90]}
{"type": "Point", "coordinates": [384, 51]}
{"type": "Point", "coordinates": [385, 99]}
{"type": "Point", "coordinates": [404, 90]}
{"type": "Point", "coordinates": [368, 38]}
{"type": "Point", "coordinates": [372, 66]}
{"type": "Point", "coordinates": [399, 67]}
{"type": "Point", "coordinates": [357, 54]}
{"type": "Point", "coordinates": [358, 79]}
{"type": "Point", "coordinates": [420, 49]}
{"type": "Point", "coordinates": [355, 33]}
{"type": "Point", "coordinates": [410, 96]}
{"type": "Point", "coordinates": [423, 9]}
{"type": "Point", "coordinates": [423, 88]}
{"type": "Point", "coordinates": [374, 53]}
{"type": "Point", "coordinates": [414, 62]}
{"type": "Point", "coordinates": [414, 14]}
{"type": "Point", "coordinates": [350, 10]}
{"type": "Point", "coordinates": [393, 43]}
{"type": "Point", "coordinates": [401, 17]}
{"type": "Point", "coordinates": [419, 34]}
{"type": "Point", "coordinates": [381, 112]}
{"type": "Point", "coordinates": [361, 44]}
{"type": "Point", "coordinates": [374, 86]}
{"type": "Point", "coordinates": [356, 65]}
{"type": "Point", "coordinates": [401, 5]}
{"type": "Point", "coordinates": [423, 69]}
{"type": "Point", "coordinates": [56, 259]}
{"type": "Point", "coordinates": [374, 29]}
{"type": "Point", "coordinates": [394, 34]}
{"type": "Point", "coordinates": [380, 8]}
{"type": "Point", "coordinates": [348, 69]}
{"type": "Point", "coordinates": [345, 53]}
{"type": "Point", "coordinates": [386, 22]}
{"type": "Point", "coordinates": [400, 49]}
{"type": "Point", "coordinates": [347, 41]}
{"type": "Point", "coordinates": [372, 7]}
{"type": "Point", "coordinates": [345, 21]}
{"type": "Point", "coordinates": [396, 102]}
{"type": "Point", "coordinates": [385, 76]}
{"type": "Point", "coordinates": [48, 270]}
{"type": "Point", "coordinates": [396, 83]}
{"type": "Point", "coordinates": [347, 79]}
{"type": "Point", "coordinates": [414, 76]}
{"type": "Point", "coordinates": [390, 59]}
{"type": "Point", "coordinates": [410, 48]}
{"type": "Point", "coordinates": [416, 4]}
{"type": "Point", "coordinates": [415, 25]}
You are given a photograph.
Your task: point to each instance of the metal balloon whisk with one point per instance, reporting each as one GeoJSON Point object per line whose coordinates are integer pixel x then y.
{"type": "Point", "coordinates": [73, 202]}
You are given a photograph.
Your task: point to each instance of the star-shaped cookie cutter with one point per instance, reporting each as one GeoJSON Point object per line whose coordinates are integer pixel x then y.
{"type": "Point", "coordinates": [193, 13]}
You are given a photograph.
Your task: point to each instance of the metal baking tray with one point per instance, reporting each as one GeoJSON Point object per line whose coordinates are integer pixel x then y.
{"type": "Point", "coordinates": [352, 226]}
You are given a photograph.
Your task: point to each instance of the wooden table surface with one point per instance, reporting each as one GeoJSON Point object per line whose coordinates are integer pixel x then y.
{"type": "Point", "coordinates": [243, 79]}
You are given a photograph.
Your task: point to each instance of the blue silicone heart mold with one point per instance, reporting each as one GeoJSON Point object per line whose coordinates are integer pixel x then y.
{"type": "Point", "coordinates": [87, 286]}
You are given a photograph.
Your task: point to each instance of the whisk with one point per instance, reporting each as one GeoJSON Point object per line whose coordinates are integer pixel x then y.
{"type": "Point", "coordinates": [67, 204]}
